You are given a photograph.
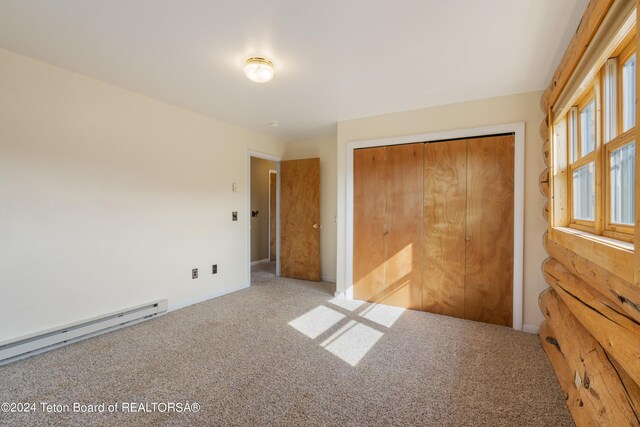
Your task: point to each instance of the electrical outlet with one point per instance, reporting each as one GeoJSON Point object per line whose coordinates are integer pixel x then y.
{"type": "Point", "coordinates": [194, 273]}
{"type": "Point", "coordinates": [214, 269]}
{"type": "Point", "coordinates": [234, 216]}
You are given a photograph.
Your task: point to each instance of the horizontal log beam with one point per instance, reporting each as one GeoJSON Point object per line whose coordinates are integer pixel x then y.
{"type": "Point", "coordinates": [546, 153]}
{"type": "Point", "coordinates": [545, 211]}
{"type": "Point", "coordinates": [544, 129]}
{"type": "Point", "coordinates": [633, 390]}
{"type": "Point", "coordinates": [544, 182]}
{"type": "Point", "coordinates": [593, 385]}
{"type": "Point", "coordinates": [618, 334]}
{"type": "Point", "coordinates": [622, 295]}
{"type": "Point", "coordinates": [579, 412]}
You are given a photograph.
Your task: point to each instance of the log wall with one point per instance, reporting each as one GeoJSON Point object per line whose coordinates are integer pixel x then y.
{"type": "Point", "coordinates": [591, 331]}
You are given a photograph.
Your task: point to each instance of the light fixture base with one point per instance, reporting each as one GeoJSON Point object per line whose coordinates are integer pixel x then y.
{"type": "Point", "coordinates": [258, 69]}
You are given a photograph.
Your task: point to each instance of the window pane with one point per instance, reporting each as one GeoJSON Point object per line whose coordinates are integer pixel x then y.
{"type": "Point", "coordinates": [584, 197]}
{"type": "Point", "coordinates": [609, 94]}
{"type": "Point", "coordinates": [573, 134]}
{"type": "Point", "coordinates": [629, 94]}
{"type": "Point", "coordinates": [622, 175]}
{"type": "Point", "coordinates": [588, 128]}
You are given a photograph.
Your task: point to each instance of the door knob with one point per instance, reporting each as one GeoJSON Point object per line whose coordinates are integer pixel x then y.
{"type": "Point", "coordinates": [315, 226]}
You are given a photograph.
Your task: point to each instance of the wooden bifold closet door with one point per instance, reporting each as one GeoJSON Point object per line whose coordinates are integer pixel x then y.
{"type": "Point", "coordinates": [387, 265]}
{"type": "Point", "coordinates": [489, 241]}
{"type": "Point", "coordinates": [433, 227]}
{"type": "Point", "coordinates": [445, 204]}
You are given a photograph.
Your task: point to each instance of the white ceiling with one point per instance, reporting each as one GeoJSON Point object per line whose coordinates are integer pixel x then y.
{"type": "Point", "coordinates": [334, 59]}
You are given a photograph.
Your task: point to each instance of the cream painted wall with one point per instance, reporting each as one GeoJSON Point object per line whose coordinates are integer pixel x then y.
{"type": "Point", "coordinates": [260, 202]}
{"type": "Point", "coordinates": [507, 109]}
{"type": "Point", "coordinates": [325, 148]}
{"type": "Point", "coordinates": [108, 199]}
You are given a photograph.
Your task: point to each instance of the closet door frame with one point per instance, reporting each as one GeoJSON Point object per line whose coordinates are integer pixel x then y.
{"type": "Point", "coordinates": [518, 130]}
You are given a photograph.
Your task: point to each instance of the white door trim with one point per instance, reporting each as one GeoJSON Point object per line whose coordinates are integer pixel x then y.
{"type": "Point", "coordinates": [517, 129]}
{"type": "Point", "coordinates": [277, 159]}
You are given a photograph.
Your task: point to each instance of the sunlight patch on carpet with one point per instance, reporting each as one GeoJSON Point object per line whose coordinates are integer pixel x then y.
{"type": "Point", "coordinates": [385, 315]}
{"type": "Point", "coordinates": [352, 342]}
{"type": "Point", "coordinates": [317, 321]}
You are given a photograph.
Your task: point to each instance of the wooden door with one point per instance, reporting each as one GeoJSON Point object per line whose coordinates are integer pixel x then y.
{"type": "Point", "coordinates": [300, 219]}
{"type": "Point", "coordinates": [369, 222]}
{"type": "Point", "coordinates": [489, 230]}
{"type": "Point", "coordinates": [404, 227]}
{"type": "Point", "coordinates": [272, 216]}
{"type": "Point", "coordinates": [445, 207]}
{"type": "Point", "coordinates": [387, 261]}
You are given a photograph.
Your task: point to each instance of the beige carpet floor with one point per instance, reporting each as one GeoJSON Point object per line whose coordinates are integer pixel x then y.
{"type": "Point", "coordinates": [285, 352]}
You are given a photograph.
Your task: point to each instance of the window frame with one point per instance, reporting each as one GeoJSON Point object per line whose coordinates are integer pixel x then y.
{"type": "Point", "coordinates": [614, 230]}
{"type": "Point", "coordinates": [588, 95]}
{"type": "Point", "coordinates": [601, 155]}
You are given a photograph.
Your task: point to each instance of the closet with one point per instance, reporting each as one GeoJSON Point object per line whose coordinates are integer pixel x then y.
{"type": "Point", "coordinates": [433, 227]}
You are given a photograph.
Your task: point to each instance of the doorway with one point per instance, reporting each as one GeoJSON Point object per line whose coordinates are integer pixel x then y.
{"type": "Point", "coordinates": [297, 216]}
{"type": "Point", "coordinates": [263, 205]}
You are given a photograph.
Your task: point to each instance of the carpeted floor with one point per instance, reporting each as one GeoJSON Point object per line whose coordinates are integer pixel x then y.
{"type": "Point", "coordinates": [284, 352]}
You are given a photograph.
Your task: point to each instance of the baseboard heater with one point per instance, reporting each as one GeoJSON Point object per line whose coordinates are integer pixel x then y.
{"type": "Point", "coordinates": [22, 347]}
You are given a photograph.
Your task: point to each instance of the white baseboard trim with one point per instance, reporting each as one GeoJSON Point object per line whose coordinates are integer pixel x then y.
{"type": "Point", "coordinates": [260, 261]}
{"type": "Point", "coordinates": [331, 279]}
{"type": "Point", "coordinates": [531, 329]}
{"type": "Point", "coordinates": [202, 298]}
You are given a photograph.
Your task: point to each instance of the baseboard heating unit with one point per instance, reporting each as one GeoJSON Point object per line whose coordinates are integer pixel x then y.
{"type": "Point", "coordinates": [19, 348]}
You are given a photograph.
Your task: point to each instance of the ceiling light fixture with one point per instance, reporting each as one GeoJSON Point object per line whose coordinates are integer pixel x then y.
{"type": "Point", "coordinates": [258, 69]}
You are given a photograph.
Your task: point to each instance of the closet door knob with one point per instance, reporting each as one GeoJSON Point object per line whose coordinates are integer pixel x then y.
{"type": "Point", "coordinates": [468, 238]}
{"type": "Point", "coordinates": [315, 226]}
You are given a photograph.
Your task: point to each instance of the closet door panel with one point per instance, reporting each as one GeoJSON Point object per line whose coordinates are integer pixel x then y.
{"type": "Point", "coordinates": [489, 246]}
{"type": "Point", "coordinates": [404, 227]}
{"type": "Point", "coordinates": [369, 222]}
{"type": "Point", "coordinates": [445, 200]}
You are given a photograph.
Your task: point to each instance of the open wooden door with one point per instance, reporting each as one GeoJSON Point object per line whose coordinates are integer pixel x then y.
{"type": "Point", "coordinates": [300, 219]}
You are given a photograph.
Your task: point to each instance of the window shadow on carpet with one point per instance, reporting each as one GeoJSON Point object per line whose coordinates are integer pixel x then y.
{"type": "Point", "coordinates": [348, 329]}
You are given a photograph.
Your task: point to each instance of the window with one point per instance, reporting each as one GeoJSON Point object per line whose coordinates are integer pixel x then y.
{"type": "Point", "coordinates": [622, 171]}
{"type": "Point", "coordinates": [600, 145]}
{"type": "Point", "coordinates": [583, 159]}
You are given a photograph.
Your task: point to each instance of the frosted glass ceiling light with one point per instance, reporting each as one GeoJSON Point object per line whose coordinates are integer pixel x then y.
{"type": "Point", "coordinates": [259, 70]}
